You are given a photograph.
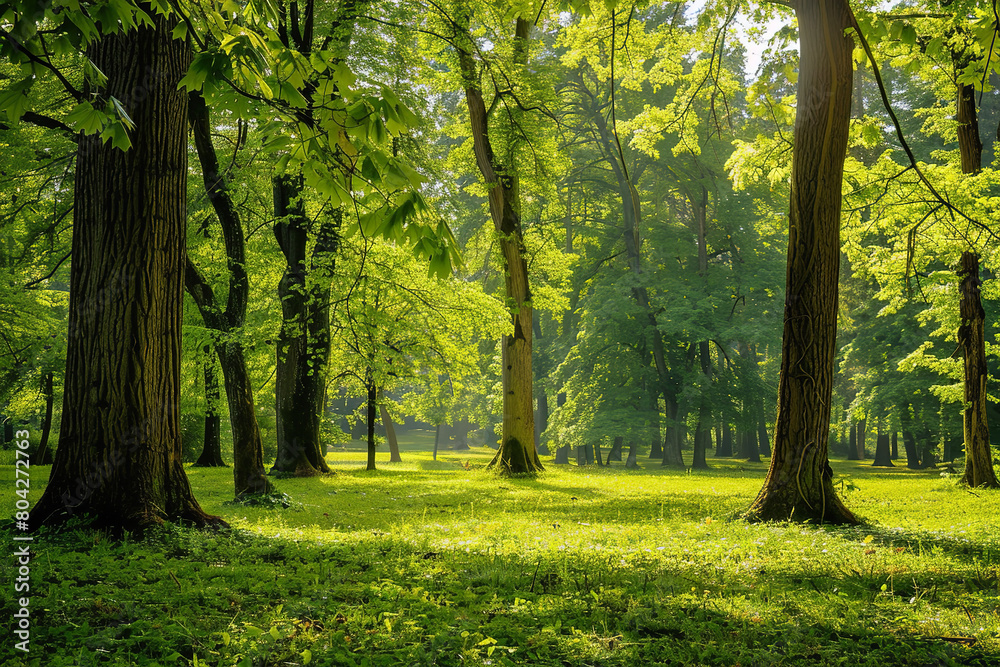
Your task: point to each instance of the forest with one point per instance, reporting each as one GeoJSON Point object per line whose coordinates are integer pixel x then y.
{"type": "Point", "coordinates": [547, 332]}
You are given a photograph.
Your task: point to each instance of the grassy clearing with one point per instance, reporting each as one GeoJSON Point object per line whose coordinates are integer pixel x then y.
{"type": "Point", "coordinates": [440, 563]}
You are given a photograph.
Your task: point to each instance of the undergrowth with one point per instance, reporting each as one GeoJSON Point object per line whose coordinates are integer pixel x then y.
{"type": "Point", "coordinates": [441, 563]}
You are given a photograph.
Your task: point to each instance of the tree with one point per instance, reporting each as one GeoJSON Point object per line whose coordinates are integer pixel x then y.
{"type": "Point", "coordinates": [799, 482]}
{"type": "Point", "coordinates": [119, 454]}
{"type": "Point", "coordinates": [227, 321]}
{"type": "Point", "coordinates": [517, 453]}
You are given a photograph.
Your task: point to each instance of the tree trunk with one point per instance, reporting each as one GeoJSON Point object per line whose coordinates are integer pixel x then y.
{"type": "Point", "coordinates": [120, 456]}
{"type": "Point", "coordinates": [517, 453]}
{"type": "Point", "coordinates": [616, 450]}
{"type": "Point", "coordinates": [725, 448]}
{"type": "Point", "coordinates": [655, 448]}
{"type": "Point", "coordinates": [248, 451]}
{"type": "Point", "coordinates": [862, 441]}
{"type": "Point", "coordinates": [542, 421]}
{"type": "Point", "coordinates": [978, 454]}
{"type": "Point", "coordinates": [672, 441]}
{"type": "Point", "coordinates": [970, 145]}
{"type": "Point", "coordinates": [372, 398]}
{"type": "Point", "coordinates": [43, 456]}
{"type": "Point", "coordinates": [562, 455]}
{"type": "Point", "coordinates": [750, 451]}
{"type": "Point", "coordinates": [461, 435]}
{"type": "Point", "coordinates": [631, 462]}
{"type": "Point", "coordinates": [883, 451]}
{"type": "Point", "coordinates": [437, 441]}
{"type": "Point", "coordinates": [303, 348]}
{"type": "Point", "coordinates": [211, 451]}
{"type": "Point", "coordinates": [799, 483]}
{"type": "Point", "coordinates": [763, 442]}
{"type": "Point", "coordinates": [852, 443]}
{"type": "Point", "coordinates": [894, 449]}
{"type": "Point", "coordinates": [581, 455]}
{"type": "Point", "coordinates": [909, 441]}
{"type": "Point", "coordinates": [390, 435]}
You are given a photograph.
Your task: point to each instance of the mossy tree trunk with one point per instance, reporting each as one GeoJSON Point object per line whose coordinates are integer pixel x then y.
{"type": "Point", "coordinates": [799, 483]}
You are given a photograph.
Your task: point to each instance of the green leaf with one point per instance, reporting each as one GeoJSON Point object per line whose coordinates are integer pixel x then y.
{"type": "Point", "coordinates": [307, 656]}
{"type": "Point", "coordinates": [14, 100]}
{"type": "Point", "coordinates": [118, 136]}
{"type": "Point", "coordinates": [86, 118]}
{"type": "Point", "coordinates": [908, 35]}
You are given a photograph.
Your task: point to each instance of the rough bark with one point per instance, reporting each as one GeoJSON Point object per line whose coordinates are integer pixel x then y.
{"type": "Point", "coordinates": [978, 453]}
{"type": "Point", "coordinates": [799, 483]}
{"type": "Point", "coordinates": [517, 452]}
{"type": "Point", "coordinates": [120, 456]}
{"type": "Point", "coordinates": [970, 145]}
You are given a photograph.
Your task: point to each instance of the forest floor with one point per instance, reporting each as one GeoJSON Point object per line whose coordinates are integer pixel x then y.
{"type": "Point", "coordinates": [441, 563]}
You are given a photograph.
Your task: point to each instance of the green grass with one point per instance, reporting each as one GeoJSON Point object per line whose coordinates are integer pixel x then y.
{"type": "Point", "coordinates": [442, 563]}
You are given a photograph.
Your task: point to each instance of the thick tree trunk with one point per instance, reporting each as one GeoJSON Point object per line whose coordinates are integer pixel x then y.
{"type": "Point", "coordinates": [672, 441]}
{"type": "Point", "coordinates": [303, 348]}
{"type": "Point", "coordinates": [799, 483]}
{"type": "Point", "coordinates": [725, 447]}
{"type": "Point", "coordinates": [616, 450]}
{"type": "Point", "coordinates": [517, 453]}
{"type": "Point", "coordinates": [750, 451]}
{"type": "Point", "coordinates": [894, 449]}
{"type": "Point", "coordinates": [390, 435]}
{"type": "Point", "coordinates": [43, 456]}
{"type": "Point", "coordinates": [631, 462]}
{"type": "Point", "coordinates": [883, 451]}
{"type": "Point", "coordinates": [581, 455]}
{"type": "Point", "coordinates": [211, 451]}
{"type": "Point", "coordinates": [120, 456]}
{"type": "Point", "coordinates": [978, 453]}
{"type": "Point", "coordinates": [562, 455]}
